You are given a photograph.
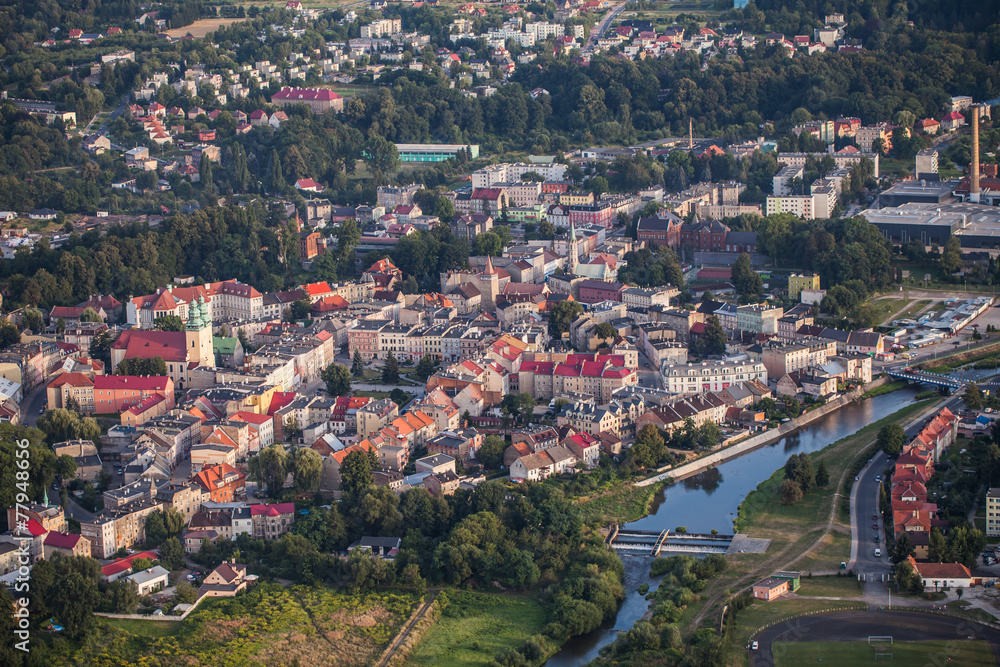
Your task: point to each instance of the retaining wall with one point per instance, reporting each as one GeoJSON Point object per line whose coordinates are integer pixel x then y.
{"type": "Point", "coordinates": [692, 468]}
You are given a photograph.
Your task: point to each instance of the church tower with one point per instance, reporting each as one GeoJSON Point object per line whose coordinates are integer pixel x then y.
{"type": "Point", "coordinates": [490, 284]}
{"type": "Point", "coordinates": [573, 259]}
{"type": "Point", "coordinates": [198, 335]}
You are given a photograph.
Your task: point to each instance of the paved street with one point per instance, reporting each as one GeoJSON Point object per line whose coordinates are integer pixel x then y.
{"type": "Point", "coordinates": [864, 528]}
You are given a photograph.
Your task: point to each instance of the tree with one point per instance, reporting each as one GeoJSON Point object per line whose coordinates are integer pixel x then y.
{"type": "Point", "coordinates": [649, 447]}
{"type": "Point", "coordinates": [605, 331]}
{"type": "Point", "coordinates": [356, 475]}
{"type": "Point", "coordinates": [9, 335]}
{"type": "Point", "coordinates": [973, 396]}
{"type": "Point", "coordinates": [325, 267]}
{"type": "Point", "coordinates": [936, 546]}
{"type": "Point", "coordinates": [425, 367]}
{"type": "Point", "coordinates": [300, 309]}
{"type": "Point", "coordinates": [277, 177]}
{"type": "Point", "coordinates": [205, 175]}
{"type": "Point", "coordinates": [747, 282]}
{"type": "Point", "coordinates": [890, 439]}
{"type": "Point", "coordinates": [172, 553]}
{"type": "Point", "coordinates": [33, 319]}
{"type": "Point", "coordinates": [100, 346]}
{"type": "Point", "coordinates": [269, 468]}
{"type": "Point", "coordinates": [168, 323]}
{"type": "Point", "coordinates": [337, 379]}
{"type": "Point", "coordinates": [66, 467]}
{"type": "Point", "coordinates": [488, 243]}
{"type": "Point", "coordinates": [491, 453]}
{"type": "Point", "coordinates": [562, 315]}
{"type": "Point", "coordinates": [381, 157]}
{"type": "Point", "coordinates": [965, 543]}
{"type": "Point", "coordinates": [713, 339]}
{"type": "Point", "coordinates": [709, 435]}
{"type": "Point", "coordinates": [122, 596]}
{"type": "Point", "coordinates": [184, 593]}
{"type": "Point", "coordinates": [822, 475]}
{"type": "Point", "coordinates": [791, 492]}
{"type": "Point", "coordinates": [951, 258]}
{"type": "Point", "coordinates": [903, 549]}
{"type": "Point", "coordinates": [799, 468]}
{"type": "Point", "coordinates": [307, 468]}
{"type": "Point", "coordinates": [357, 364]}
{"type": "Point", "coordinates": [390, 371]}
{"type": "Point", "coordinates": [143, 564]}
{"type": "Point", "coordinates": [61, 326]}
{"type": "Point", "coordinates": [907, 579]}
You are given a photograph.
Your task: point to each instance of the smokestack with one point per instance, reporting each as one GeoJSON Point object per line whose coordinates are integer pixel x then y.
{"type": "Point", "coordinates": [974, 181]}
{"type": "Point", "coordinates": [690, 133]}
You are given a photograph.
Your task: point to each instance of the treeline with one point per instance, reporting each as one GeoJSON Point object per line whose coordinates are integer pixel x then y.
{"type": "Point", "coordinates": [839, 250]}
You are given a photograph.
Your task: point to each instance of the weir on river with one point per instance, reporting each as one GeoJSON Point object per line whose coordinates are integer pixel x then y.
{"type": "Point", "coordinates": [711, 500]}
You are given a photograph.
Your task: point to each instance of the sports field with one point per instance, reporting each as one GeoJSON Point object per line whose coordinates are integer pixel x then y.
{"type": "Point", "coordinates": [850, 654]}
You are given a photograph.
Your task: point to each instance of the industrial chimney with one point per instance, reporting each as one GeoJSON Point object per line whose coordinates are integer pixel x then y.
{"type": "Point", "coordinates": [974, 179]}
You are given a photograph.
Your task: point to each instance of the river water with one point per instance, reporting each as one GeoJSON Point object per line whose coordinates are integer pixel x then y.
{"type": "Point", "coordinates": [710, 500]}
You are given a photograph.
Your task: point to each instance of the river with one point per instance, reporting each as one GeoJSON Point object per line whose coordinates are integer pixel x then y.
{"type": "Point", "coordinates": [711, 499]}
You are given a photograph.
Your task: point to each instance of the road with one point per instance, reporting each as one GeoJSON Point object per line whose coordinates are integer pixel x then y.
{"type": "Point", "coordinates": [31, 407]}
{"type": "Point", "coordinates": [597, 32]}
{"type": "Point", "coordinates": [859, 625]}
{"type": "Point", "coordinates": [865, 528]}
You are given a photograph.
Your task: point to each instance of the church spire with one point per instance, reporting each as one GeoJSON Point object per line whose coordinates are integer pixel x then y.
{"type": "Point", "coordinates": [490, 271]}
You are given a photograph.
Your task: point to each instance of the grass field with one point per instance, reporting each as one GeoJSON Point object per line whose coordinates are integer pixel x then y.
{"type": "Point", "coordinates": [911, 312]}
{"type": "Point", "coordinates": [201, 27]}
{"type": "Point", "coordinates": [849, 654]}
{"type": "Point", "coordinates": [270, 625]}
{"type": "Point", "coordinates": [625, 502]}
{"type": "Point", "coordinates": [965, 608]}
{"type": "Point", "coordinates": [887, 308]}
{"type": "Point", "coordinates": [840, 587]}
{"type": "Point", "coordinates": [475, 626]}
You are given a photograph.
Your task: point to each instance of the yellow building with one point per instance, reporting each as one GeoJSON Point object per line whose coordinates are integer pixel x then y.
{"type": "Point", "coordinates": [797, 283]}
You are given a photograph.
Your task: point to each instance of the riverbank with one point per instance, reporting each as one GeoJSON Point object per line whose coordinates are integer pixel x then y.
{"type": "Point", "coordinates": [699, 465]}
{"type": "Point", "coordinates": [710, 500]}
{"type": "Point", "coordinates": [953, 361]}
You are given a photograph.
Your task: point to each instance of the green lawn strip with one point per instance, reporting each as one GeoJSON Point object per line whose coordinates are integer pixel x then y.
{"type": "Point", "coordinates": [834, 550]}
{"type": "Point", "coordinates": [886, 388]}
{"type": "Point", "coordinates": [474, 627]}
{"type": "Point", "coordinates": [887, 308]}
{"type": "Point", "coordinates": [840, 587]}
{"type": "Point", "coordinates": [911, 312]}
{"type": "Point", "coordinates": [848, 654]}
{"type": "Point", "coordinates": [965, 608]}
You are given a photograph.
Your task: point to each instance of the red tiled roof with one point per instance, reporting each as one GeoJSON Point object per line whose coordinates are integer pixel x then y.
{"type": "Point", "coordinates": [71, 379]}
{"type": "Point", "coordinates": [123, 564]}
{"type": "Point", "coordinates": [140, 383]}
{"type": "Point", "coordinates": [61, 540]}
{"type": "Point", "coordinates": [171, 345]}
{"type": "Point", "coordinates": [272, 510]}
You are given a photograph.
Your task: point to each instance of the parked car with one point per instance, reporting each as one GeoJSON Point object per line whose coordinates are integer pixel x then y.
{"type": "Point", "coordinates": [878, 553]}
{"type": "Point", "coordinates": [753, 646]}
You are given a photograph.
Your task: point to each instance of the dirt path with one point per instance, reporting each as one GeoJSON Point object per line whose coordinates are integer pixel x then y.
{"type": "Point", "coordinates": [405, 632]}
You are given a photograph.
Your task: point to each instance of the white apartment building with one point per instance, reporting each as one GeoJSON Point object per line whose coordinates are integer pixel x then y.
{"type": "Point", "coordinates": [380, 28]}
{"type": "Point", "coordinates": [803, 206]}
{"type": "Point", "coordinates": [487, 177]}
{"type": "Point", "coordinates": [542, 30]}
{"type": "Point", "coordinates": [709, 376]}
{"type": "Point", "coordinates": [782, 181]}
{"type": "Point", "coordinates": [758, 318]}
